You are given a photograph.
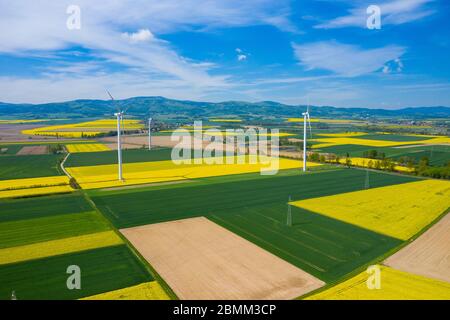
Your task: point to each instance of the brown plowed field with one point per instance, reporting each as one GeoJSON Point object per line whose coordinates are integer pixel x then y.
{"type": "Point", "coordinates": [201, 260]}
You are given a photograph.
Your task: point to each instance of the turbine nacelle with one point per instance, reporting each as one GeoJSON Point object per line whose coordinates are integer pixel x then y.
{"type": "Point", "coordinates": [307, 120]}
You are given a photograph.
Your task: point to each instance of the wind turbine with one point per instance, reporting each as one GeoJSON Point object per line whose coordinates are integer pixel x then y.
{"type": "Point", "coordinates": [149, 133]}
{"type": "Point", "coordinates": [119, 115]}
{"type": "Point", "coordinates": [305, 118]}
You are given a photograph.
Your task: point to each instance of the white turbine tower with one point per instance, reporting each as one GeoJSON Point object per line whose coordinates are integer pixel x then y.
{"type": "Point", "coordinates": [119, 115]}
{"type": "Point", "coordinates": [149, 134]}
{"type": "Point", "coordinates": [305, 119]}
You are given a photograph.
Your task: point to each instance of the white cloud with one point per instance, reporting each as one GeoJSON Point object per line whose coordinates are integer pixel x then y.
{"type": "Point", "coordinates": [344, 59]}
{"type": "Point", "coordinates": [393, 12]}
{"type": "Point", "coordinates": [141, 35]}
{"type": "Point", "coordinates": [119, 33]}
{"type": "Point", "coordinates": [395, 66]}
{"type": "Point", "coordinates": [290, 80]}
{"type": "Point", "coordinates": [241, 57]}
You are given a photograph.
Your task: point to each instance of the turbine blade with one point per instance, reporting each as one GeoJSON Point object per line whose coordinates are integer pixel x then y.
{"type": "Point", "coordinates": [113, 101]}
{"type": "Point", "coordinates": [110, 96]}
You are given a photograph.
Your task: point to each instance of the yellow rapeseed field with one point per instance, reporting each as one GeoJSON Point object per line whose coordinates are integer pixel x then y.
{"type": "Point", "coordinates": [34, 191]}
{"type": "Point", "coordinates": [322, 145]}
{"type": "Point", "coordinates": [436, 140]}
{"type": "Point", "coordinates": [394, 285]}
{"type": "Point", "coordinates": [60, 246]}
{"type": "Point", "coordinates": [110, 124]}
{"type": "Point", "coordinates": [357, 141]}
{"type": "Point", "coordinates": [336, 121]}
{"type": "Point", "coordinates": [87, 147]}
{"type": "Point", "coordinates": [33, 183]}
{"type": "Point", "coordinates": [279, 134]}
{"type": "Point", "coordinates": [398, 211]}
{"type": "Point", "coordinates": [104, 176]}
{"type": "Point", "coordinates": [34, 186]}
{"type": "Point", "coordinates": [364, 162]}
{"type": "Point", "coordinates": [326, 142]}
{"type": "Point", "coordinates": [269, 134]}
{"type": "Point", "coordinates": [342, 134]}
{"type": "Point", "coordinates": [83, 129]}
{"type": "Point", "coordinates": [144, 291]}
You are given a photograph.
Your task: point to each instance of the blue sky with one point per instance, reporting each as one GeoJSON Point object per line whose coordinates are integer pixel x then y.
{"type": "Point", "coordinates": [287, 51]}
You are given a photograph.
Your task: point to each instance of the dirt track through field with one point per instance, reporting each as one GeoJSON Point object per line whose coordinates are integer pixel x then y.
{"type": "Point", "coordinates": [201, 260]}
{"type": "Point", "coordinates": [428, 255]}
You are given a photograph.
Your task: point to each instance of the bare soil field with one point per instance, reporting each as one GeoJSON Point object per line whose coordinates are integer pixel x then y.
{"type": "Point", "coordinates": [291, 154]}
{"type": "Point", "coordinates": [12, 132]}
{"type": "Point", "coordinates": [135, 142]}
{"type": "Point", "coordinates": [201, 260]}
{"type": "Point", "coordinates": [421, 145]}
{"type": "Point", "coordinates": [139, 141]}
{"type": "Point", "coordinates": [428, 255]}
{"type": "Point", "coordinates": [32, 150]}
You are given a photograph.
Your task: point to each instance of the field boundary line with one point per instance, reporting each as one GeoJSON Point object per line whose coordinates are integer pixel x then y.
{"type": "Point", "coordinates": [62, 166]}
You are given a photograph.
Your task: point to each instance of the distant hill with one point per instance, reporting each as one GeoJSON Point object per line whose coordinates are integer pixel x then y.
{"type": "Point", "coordinates": [161, 106]}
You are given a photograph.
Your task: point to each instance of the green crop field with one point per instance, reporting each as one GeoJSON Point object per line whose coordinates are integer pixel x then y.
{"type": "Point", "coordinates": [352, 149]}
{"type": "Point", "coordinates": [32, 208]}
{"type": "Point", "coordinates": [82, 159]}
{"type": "Point", "coordinates": [358, 150]}
{"type": "Point", "coordinates": [142, 206]}
{"type": "Point", "coordinates": [392, 137]}
{"type": "Point", "coordinates": [102, 270]}
{"type": "Point", "coordinates": [323, 247]}
{"type": "Point", "coordinates": [9, 149]}
{"type": "Point", "coordinates": [438, 155]}
{"type": "Point", "coordinates": [22, 232]}
{"type": "Point", "coordinates": [110, 157]}
{"type": "Point", "coordinates": [256, 209]}
{"type": "Point", "coordinates": [436, 158]}
{"type": "Point", "coordinates": [30, 166]}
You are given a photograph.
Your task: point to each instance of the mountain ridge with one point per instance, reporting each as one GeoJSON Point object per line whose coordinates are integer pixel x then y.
{"type": "Point", "coordinates": [186, 108]}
